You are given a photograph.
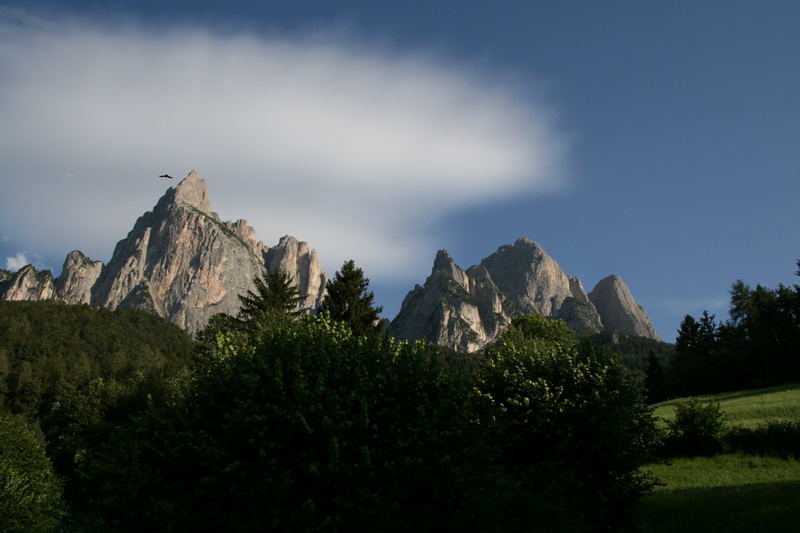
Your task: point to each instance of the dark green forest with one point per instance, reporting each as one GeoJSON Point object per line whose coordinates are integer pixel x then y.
{"type": "Point", "coordinates": [49, 350]}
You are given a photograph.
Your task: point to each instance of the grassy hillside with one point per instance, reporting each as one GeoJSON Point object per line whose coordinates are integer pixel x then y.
{"type": "Point", "coordinates": [749, 408]}
{"type": "Point", "coordinates": [730, 492]}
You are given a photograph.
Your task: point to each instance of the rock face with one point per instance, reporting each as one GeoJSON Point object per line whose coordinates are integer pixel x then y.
{"type": "Point", "coordinates": [301, 263]}
{"type": "Point", "coordinates": [179, 261]}
{"type": "Point", "coordinates": [465, 310]}
{"type": "Point", "coordinates": [613, 300]}
{"type": "Point", "coordinates": [29, 284]}
{"type": "Point", "coordinates": [74, 285]}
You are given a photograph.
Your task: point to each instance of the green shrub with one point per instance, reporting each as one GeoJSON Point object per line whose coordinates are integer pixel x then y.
{"type": "Point", "coordinates": [697, 428]}
{"type": "Point", "coordinates": [571, 428]}
{"type": "Point", "coordinates": [780, 439]}
{"type": "Point", "coordinates": [30, 493]}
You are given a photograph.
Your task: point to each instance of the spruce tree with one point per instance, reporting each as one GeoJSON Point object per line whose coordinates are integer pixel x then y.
{"type": "Point", "coordinates": [274, 294]}
{"type": "Point", "coordinates": [348, 301]}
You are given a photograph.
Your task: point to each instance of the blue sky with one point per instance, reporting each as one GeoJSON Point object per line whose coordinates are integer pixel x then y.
{"type": "Point", "coordinates": [658, 141]}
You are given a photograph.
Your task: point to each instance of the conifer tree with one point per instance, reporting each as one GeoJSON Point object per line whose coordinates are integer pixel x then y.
{"type": "Point", "coordinates": [275, 293]}
{"type": "Point", "coordinates": [347, 300]}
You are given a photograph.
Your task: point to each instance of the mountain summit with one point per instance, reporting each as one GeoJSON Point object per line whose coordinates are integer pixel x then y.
{"type": "Point", "coordinates": [180, 261]}
{"type": "Point", "coordinates": [465, 310]}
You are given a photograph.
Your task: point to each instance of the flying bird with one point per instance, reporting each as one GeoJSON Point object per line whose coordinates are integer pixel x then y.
{"type": "Point", "coordinates": [166, 176]}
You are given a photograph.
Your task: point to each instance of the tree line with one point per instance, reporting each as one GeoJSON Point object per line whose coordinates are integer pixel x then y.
{"type": "Point", "coordinates": [758, 346]}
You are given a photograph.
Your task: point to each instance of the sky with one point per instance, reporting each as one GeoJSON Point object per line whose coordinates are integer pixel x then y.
{"type": "Point", "coordinates": [657, 141]}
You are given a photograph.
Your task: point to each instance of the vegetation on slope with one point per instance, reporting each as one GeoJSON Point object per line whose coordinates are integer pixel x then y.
{"type": "Point", "coordinates": [49, 350]}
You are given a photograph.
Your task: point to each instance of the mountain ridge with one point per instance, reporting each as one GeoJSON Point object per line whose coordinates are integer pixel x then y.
{"type": "Point", "coordinates": [466, 309]}
{"type": "Point", "coordinates": [182, 262]}
{"type": "Point", "coordinates": [179, 261]}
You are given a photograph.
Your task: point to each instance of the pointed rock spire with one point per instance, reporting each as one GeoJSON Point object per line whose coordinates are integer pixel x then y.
{"type": "Point", "coordinates": [74, 285]}
{"type": "Point", "coordinates": [192, 191]}
{"type": "Point", "coordinates": [619, 311]}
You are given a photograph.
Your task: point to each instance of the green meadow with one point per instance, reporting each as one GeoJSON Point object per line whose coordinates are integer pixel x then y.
{"type": "Point", "coordinates": [749, 408]}
{"type": "Point", "coordinates": [731, 492]}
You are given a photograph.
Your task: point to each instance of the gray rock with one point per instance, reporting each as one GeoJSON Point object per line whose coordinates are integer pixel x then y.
{"type": "Point", "coordinates": [619, 311]}
{"type": "Point", "coordinates": [179, 261]}
{"type": "Point", "coordinates": [465, 310]}
{"type": "Point", "coordinates": [79, 274]}
{"type": "Point", "coordinates": [29, 284]}
{"type": "Point", "coordinates": [301, 263]}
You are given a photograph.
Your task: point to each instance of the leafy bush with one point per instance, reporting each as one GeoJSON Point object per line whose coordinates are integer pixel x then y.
{"type": "Point", "coordinates": [572, 429]}
{"type": "Point", "coordinates": [30, 493]}
{"type": "Point", "coordinates": [696, 429]}
{"type": "Point", "coordinates": [781, 439]}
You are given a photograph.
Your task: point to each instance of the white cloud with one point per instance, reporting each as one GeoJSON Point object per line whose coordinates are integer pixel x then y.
{"type": "Point", "coordinates": [16, 262]}
{"type": "Point", "coordinates": [356, 150]}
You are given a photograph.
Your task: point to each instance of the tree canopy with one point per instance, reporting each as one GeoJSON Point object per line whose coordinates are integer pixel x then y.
{"type": "Point", "coordinates": [48, 349]}
{"type": "Point", "coordinates": [348, 300]}
{"type": "Point", "coordinates": [308, 426]}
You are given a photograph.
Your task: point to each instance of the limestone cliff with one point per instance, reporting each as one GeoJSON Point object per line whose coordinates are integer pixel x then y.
{"type": "Point", "coordinates": [179, 261]}
{"type": "Point", "coordinates": [29, 284]}
{"type": "Point", "coordinates": [465, 310]}
{"type": "Point", "coordinates": [613, 300]}
{"type": "Point", "coordinates": [79, 274]}
{"type": "Point", "coordinates": [301, 263]}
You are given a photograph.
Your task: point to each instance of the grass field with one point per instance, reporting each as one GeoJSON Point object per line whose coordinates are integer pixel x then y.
{"type": "Point", "coordinates": [749, 408]}
{"type": "Point", "coordinates": [730, 492]}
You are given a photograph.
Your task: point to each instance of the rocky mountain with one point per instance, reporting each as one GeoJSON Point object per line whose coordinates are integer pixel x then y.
{"type": "Point", "coordinates": [613, 300]}
{"type": "Point", "coordinates": [29, 284]}
{"type": "Point", "coordinates": [465, 310]}
{"type": "Point", "coordinates": [180, 261]}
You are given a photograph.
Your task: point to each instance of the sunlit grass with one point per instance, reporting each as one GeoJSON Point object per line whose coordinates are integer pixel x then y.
{"type": "Point", "coordinates": [751, 408]}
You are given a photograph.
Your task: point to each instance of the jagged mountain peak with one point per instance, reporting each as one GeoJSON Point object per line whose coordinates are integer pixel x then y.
{"type": "Point", "coordinates": [29, 284]}
{"type": "Point", "coordinates": [179, 261]}
{"type": "Point", "coordinates": [467, 309]}
{"type": "Point", "coordinates": [443, 261]}
{"type": "Point", "coordinates": [192, 191]}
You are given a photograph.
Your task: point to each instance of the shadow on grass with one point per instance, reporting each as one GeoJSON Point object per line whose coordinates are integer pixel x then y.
{"type": "Point", "coordinates": [724, 396]}
{"type": "Point", "coordinates": [773, 507]}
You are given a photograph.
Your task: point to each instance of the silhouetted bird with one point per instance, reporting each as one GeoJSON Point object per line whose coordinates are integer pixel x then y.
{"type": "Point", "coordinates": [166, 176]}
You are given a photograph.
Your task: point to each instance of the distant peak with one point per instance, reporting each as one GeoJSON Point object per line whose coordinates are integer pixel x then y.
{"type": "Point", "coordinates": [613, 279]}
{"type": "Point", "coordinates": [443, 260]}
{"type": "Point", "coordinates": [192, 191]}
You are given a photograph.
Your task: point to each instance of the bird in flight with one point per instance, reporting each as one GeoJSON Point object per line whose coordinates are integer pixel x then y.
{"type": "Point", "coordinates": [166, 176]}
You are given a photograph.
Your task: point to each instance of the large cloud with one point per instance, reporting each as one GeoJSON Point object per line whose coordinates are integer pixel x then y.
{"type": "Point", "coordinates": [355, 149]}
